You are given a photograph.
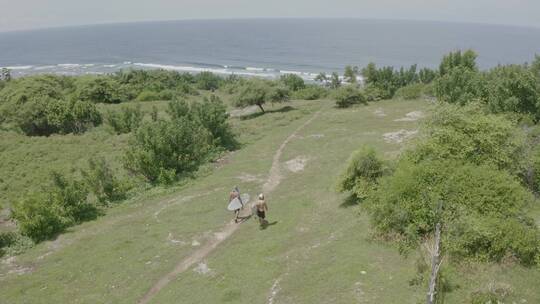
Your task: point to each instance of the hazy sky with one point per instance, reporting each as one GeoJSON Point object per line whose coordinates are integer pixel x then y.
{"type": "Point", "coordinates": [26, 14]}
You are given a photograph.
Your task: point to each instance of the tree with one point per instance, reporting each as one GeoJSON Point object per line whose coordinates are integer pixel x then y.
{"type": "Point", "coordinates": [351, 74]}
{"type": "Point", "coordinates": [5, 74]}
{"type": "Point", "coordinates": [293, 82]}
{"type": "Point", "coordinates": [362, 173]}
{"type": "Point", "coordinates": [467, 60]}
{"type": "Point", "coordinates": [322, 78]}
{"type": "Point", "coordinates": [258, 92]}
{"type": "Point", "coordinates": [459, 85]}
{"type": "Point", "coordinates": [335, 81]}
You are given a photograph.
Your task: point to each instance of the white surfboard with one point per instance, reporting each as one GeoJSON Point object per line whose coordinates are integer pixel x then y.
{"type": "Point", "coordinates": [235, 204]}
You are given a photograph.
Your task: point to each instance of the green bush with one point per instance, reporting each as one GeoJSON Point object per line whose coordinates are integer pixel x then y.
{"type": "Point", "coordinates": [100, 89]}
{"type": "Point", "coordinates": [310, 92]}
{"type": "Point", "coordinates": [126, 120]}
{"type": "Point", "coordinates": [347, 96]}
{"type": "Point", "coordinates": [101, 181]}
{"type": "Point", "coordinates": [148, 96]}
{"type": "Point", "coordinates": [212, 115]}
{"type": "Point", "coordinates": [362, 173]}
{"type": "Point", "coordinates": [482, 208]}
{"type": "Point", "coordinates": [45, 214]}
{"type": "Point", "coordinates": [411, 91]}
{"type": "Point", "coordinates": [513, 88]}
{"type": "Point", "coordinates": [472, 135]}
{"type": "Point", "coordinates": [460, 85]}
{"type": "Point", "coordinates": [162, 150]}
{"type": "Point", "coordinates": [292, 82]}
{"type": "Point", "coordinates": [13, 243]}
{"type": "Point", "coordinates": [207, 81]}
{"type": "Point", "coordinates": [373, 93]}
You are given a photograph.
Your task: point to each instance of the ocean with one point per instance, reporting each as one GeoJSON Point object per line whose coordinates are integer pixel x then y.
{"type": "Point", "coordinates": [259, 47]}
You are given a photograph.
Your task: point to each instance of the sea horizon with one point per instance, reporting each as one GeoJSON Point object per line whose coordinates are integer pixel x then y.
{"type": "Point", "coordinates": [264, 47]}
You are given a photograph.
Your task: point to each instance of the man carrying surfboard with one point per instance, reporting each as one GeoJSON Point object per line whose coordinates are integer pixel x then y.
{"type": "Point", "coordinates": [235, 203]}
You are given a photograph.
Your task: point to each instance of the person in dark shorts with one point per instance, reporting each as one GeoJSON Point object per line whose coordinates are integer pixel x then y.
{"type": "Point", "coordinates": [262, 208]}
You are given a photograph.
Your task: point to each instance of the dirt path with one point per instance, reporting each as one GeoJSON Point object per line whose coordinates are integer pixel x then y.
{"type": "Point", "coordinates": [273, 180]}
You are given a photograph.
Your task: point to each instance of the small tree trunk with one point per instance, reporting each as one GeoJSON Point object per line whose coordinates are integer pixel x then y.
{"type": "Point", "coordinates": [261, 107]}
{"type": "Point", "coordinates": [435, 265]}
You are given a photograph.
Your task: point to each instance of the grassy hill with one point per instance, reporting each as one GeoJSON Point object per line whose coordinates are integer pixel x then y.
{"type": "Point", "coordinates": [319, 248]}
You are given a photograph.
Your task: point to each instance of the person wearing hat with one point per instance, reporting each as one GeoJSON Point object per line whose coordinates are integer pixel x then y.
{"type": "Point", "coordinates": [262, 208]}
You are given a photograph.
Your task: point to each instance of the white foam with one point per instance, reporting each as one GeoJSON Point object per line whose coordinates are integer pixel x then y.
{"type": "Point", "coordinates": [19, 67]}
{"type": "Point", "coordinates": [255, 69]}
{"type": "Point", "coordinates": [44, 67]}
{"type": "Point", "coordinates": [109, 65]}
{"type": "Point", "coordinates": [69, 65]}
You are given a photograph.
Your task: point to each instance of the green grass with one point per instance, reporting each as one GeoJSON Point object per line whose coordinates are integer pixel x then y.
{"type": "Point", "coordinates": [319, 251]}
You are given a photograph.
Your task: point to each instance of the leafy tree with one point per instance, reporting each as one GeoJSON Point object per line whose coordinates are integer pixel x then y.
{"type": "Point", "coordinates": [5, 74]}
{"type": "Point", "coordinates": [292, 82]}
{"type": "Point", "coordinates": [163, 150]}
{"type": "Point", "coordinates": [321, 77]}
{"type": "Point", "coordinates": [335, 81]}
{"type": "Point", "coordinates": [465, 60]}
{"type": "Point", "coordinates": [513, 88]}
{"type": "Point", "coordinates": [351, 74]}
{"type": "Point", "coordinates": [426, 75]}
{"type": "Point", "coordinates": [207, 81]}
{"type": "Point", "coordinates": [212, 115]}
{"type": "Point", "coordinates": [258, 92]}
{"type": "Point", "coordinates": [348, 95]}
{"type": "Point", "coordinates": [460, 85]}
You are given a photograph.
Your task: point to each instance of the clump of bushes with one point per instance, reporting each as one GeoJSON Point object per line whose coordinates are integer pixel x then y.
{"type": "Point", "coordinates": [363, 172]}
{"type": "Point", "coordinates": [162, 150]}
{"type": "Point", "coordinates": [126, 120]}
{"type": "Point", "coordinates": [45, 214]}
{"type": "Point", "coordinates": [310, 92]}
{"type": "Point", "coordinates": [411, 91]}
{"type": "Point", "coordinates": [464, 173]}
{"type": "Point", "coordinates": [347, 96]}
{"type": "Point", "coordinates": [13, 243]}
{"type": "Point", "coordinates": [292, 82]}
{"type": "Point", "coordinates": [102, 183]}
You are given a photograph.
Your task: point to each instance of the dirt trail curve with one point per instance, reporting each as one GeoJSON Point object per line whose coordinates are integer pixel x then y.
{"type": "Point", "coordinates": [273, 180]}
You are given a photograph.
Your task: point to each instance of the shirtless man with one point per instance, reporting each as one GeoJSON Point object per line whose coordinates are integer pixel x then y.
{"type": "Point", "coordinates": [262, 208]}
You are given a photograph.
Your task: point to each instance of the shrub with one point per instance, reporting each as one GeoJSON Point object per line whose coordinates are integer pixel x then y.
{"type": "Point", "coordinates": [13, 243]}
{"type": "Point", "coordinates": [475, 199]}
{"type": "Point", "coordinates": [471, 135]}
{"type": "Point", "coordinates": [207, 81]}
{"type": "Point", "coordinates": [465, 60]}
{"type": "Point", "coordinates": [43, 215]}
{"type": "Point", "coordinates": [411, 91]}
{"type": "Point", "coordinates": [311, 92]}
{"type": "Point", "coordinates": [212, 115]}
{"type": "Point", "coordinates": [362, 173]}
{"type": "Point", "coordinates": [101, 181]}
{"type": "Point", "coordinates": [100, 89]}
{"type": "Point", "coordinates": [460, 85]}
{"type": "Point", "coordinates": [126, 120]}
{"type": "Point", "coordinates": [372, 93]}
{"type": "Point", "coordinates": [347, 96]}
{"type": "Point", "coordinates": [148, 96]}
{"type": "Point", "coordinates": [292, 82]}
{"type": "Point", "coordinates": [162, 150]}
{"type": "Point", "coordinates": [513, 88]}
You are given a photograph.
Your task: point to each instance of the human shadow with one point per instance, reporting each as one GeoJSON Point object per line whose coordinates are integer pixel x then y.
{"type": "Point", "coordinates": [266, 224]}
{"type": "Point", "coordinates": [242, 219]}
{"type": "Point", "coordinates": [257, 114]}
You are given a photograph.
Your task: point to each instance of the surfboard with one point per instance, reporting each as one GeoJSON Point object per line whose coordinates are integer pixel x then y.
{"type": "Point", "coordinates": [236, 204]}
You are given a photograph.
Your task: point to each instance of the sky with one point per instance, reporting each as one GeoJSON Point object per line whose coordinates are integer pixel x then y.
{"type": "Point", "coordinates": [31, 14]}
